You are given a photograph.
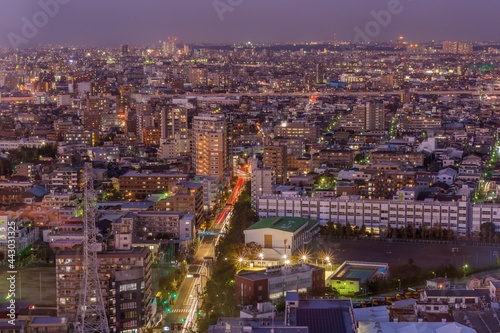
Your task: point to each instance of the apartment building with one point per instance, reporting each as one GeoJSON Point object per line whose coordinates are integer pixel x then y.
{"type": "Point", "coordinates": [211, 146]}
{"type": "Point", "coordinates": [262, 182]}
{"type": "Point", "coordinates": [341, 158]}
{"type": "Point", "coordinates": [188, 198]}
{"type": "Point", "coordinates": [172, 225]}
{"type": "Point", "coordinates": [86, 137]}
{"type": "Point", "coordinates": [405, 158]}
{"type": "Point", "coordinates": [354, 120]}
{"type": "Point", "coordinates": [65, 178]}
{"type": "Point", "coordinates": [96, 108]}
{"type": "Point", "coordinates": [140, 184]}
{"type": "Point", "coordinates": [125, 277]}
{"type": "Point", "coordinates": [210, 192]}
{"type": "Point", "coordinates": [58, 200]}
{"type": "Point", "coordinates": [275, 156]}
{"type": "Point", "coordinates": [26, 170]}
{"type": "Point", "coordinates": [422, 122]}
{"type": "Point", "coordinates": [375, 116]}
{"type": "Point", "coordinates": [174, 120]}
{"type": "Point", "coordinates": [303, 130]}
{"type": "Point", "coordinates": [386, 183]}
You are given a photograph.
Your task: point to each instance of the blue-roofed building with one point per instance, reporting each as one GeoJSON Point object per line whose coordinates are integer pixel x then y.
{"type": "Point", "coordinates": [38, 191]}
{"type": "Point", "coordinates": [337, 84]}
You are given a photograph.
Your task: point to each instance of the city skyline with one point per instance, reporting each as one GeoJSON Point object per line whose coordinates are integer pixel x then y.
{"type": "Point", "coordinates": [203, 166]}
{"type": "Point", "coordinates": [223, 21]}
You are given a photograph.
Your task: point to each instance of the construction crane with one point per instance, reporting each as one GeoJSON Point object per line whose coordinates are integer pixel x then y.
{"type": "Point", "coordinates": [91, 314]}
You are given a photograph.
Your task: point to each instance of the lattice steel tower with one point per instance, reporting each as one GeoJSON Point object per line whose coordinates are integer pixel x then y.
{"type": "Point", "coordinates": [91, 315]}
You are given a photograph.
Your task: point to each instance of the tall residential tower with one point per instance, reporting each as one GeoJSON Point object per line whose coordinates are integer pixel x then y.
{"type": "Point", "coordinates": [210, 145]}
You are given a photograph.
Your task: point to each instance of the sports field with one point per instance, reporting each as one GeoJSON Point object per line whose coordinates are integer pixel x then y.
{"type": "Point", "coordinates": [36, 285]}
{"type": "Point", "coordinates": [396, 253]}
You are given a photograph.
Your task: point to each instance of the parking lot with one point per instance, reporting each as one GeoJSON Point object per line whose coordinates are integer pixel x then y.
{"type": "Point", "coordinates": [398, 253]}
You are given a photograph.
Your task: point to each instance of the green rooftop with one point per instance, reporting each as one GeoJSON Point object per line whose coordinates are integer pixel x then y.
{"type": "Point", "coordinates": [290, 224]}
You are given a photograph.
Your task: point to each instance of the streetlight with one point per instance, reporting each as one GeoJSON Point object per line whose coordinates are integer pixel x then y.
{"type": "Point", "coordinates": [304, 258]}
{"type": "Point", "coordinates": [240, 262]}
{"type": "Point", "coordinates": [261, 256]}
{"type": "Point", "coordinates": [465, 269]}
{"type": "Point", "coordinates": [399, 283]}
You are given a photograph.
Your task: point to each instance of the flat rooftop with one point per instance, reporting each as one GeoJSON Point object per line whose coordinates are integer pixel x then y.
{"type": "Point", "coordinates": [288, 224]}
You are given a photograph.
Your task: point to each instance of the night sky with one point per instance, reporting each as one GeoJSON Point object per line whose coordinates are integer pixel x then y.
{"type": "Point", "coordinates": [114, 22]}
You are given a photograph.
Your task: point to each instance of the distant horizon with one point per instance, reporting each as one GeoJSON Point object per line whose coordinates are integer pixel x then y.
{"type": "Point", "coordinates": [98, 23]}
{"type": "Point", "coordinates": [255, 44]}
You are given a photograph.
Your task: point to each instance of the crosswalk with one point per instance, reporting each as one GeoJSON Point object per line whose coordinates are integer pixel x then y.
{"type": "Point", "coordinates": [180, 310]}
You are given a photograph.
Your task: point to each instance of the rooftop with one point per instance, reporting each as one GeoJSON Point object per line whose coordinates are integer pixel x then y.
{"type": "Point", "coordinates": [323, 315]}
{"type": "Point", "coordinates": [452, 293]}
{"type": "Point", "coordinates": [400, 327]}
{"type": "Point", "coordinates": [273, 271]}
{"type": "Point", "coordinates": [288, 224]}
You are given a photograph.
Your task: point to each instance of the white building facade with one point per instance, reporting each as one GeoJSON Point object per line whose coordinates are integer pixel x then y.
{"type": "Point", "coordinates": [378, 216]}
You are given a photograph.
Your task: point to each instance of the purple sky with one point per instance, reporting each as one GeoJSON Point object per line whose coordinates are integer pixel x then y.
{"type": "Point", "coordinates": [102, 22]}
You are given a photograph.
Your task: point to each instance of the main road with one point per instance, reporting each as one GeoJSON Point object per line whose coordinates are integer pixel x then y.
{"type": "Point", "coordinates": [185, 307]}
{"type": "Point", "coordinates": [336, 93]}
{"type": "Point", "coordinates": [26, 99]}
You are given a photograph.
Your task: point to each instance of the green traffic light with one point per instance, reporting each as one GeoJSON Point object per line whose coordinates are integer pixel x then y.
{"type": "Point", "coordinates": [174, 295]}
{"type": "Point", "coordinates": [169, 310]}
{"type": "Point", "coordinates": [183, 320]}
{"type": "Point", "coordinates": [164, 302]}
{"type": "Point", "coordinates": [199, 313]}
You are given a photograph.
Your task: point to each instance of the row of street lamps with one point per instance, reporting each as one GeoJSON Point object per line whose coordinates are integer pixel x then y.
{"type": "Point", "coordinates": [287, 260]}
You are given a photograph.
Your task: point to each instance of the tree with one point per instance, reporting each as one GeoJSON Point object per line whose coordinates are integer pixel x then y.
{"type": "Point", "coordinates": [424, 231]}
{"type": "Point", "coordinates": [403, 232]}
{"type": "Point", "coordinates": [348, 229]}
{"type": "Point", "coordinates": [496, 237]}
{"type": "Point", "coordinates": [338, 229]}
{"type": "Point", "coordinates": [252, 250]}
{"type": "Point", "coordinates": [487, 231]}
{"type": "Point", "coordinates": [331, 291]}
{"type": "Point", "coordinates": [166, 284]}
{"type": "Point", "coordinates": [449, 235]}
{"type": "Point", "coordinates": [328, 228]}
{"type": "Point", "coordinates": [362, 230]}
